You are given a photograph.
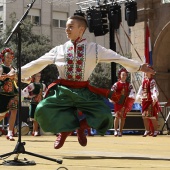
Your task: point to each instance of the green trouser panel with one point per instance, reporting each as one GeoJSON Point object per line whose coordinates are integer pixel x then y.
{"type": "Point", "coordinates": [58, 111]}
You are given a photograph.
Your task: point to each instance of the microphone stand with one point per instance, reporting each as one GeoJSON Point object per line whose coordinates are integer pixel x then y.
{"type": "Point", "coordinates": [19, 148]}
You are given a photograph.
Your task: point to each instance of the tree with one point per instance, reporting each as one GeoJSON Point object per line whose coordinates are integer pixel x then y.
{"type": "Point", "coordinates": [32, 46]}
{"type": "Point", "coordinates": [101, 76]}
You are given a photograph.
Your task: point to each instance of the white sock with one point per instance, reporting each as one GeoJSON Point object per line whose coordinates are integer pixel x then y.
{"type": "Point", "coordinates": [9, 133]}
{"type": "Point", "coordinates": [35, 133]}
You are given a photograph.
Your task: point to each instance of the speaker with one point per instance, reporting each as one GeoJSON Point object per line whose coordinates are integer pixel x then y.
{"type": "Point", "coordinates": [134, 121]}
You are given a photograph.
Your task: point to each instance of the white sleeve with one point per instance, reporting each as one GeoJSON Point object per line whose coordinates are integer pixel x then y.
{"type": "Point", "coordinates": [132, 93]}
{"type": "Point", "coordinates": [108, 55]}
{"type": "Point", "coordinates": [139, 95]}
{"type": "Point", "coordinates": [154, 90]}
{"type": "Point", "coordinates": [114, 87]}
{"type": "Point", "coordinates": [26, 90]}
{"type": "Point", "coordinates": [44, 87]}
{"type": "Point", "coordinates": [39, 64]}
{"type": "Point", "coordinates": [1, 70]}
{"type": "Point", "coordinates": [44, 90]}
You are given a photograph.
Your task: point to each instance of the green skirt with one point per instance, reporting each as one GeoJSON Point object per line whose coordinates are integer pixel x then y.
{"type": "Point", "coordinates": [58, 111]}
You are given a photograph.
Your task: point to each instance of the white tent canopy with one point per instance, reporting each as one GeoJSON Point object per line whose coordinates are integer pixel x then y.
{"type": "Point", "coordinates": [165, 1]}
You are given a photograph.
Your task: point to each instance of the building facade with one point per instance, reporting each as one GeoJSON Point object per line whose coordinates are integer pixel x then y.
{"type": "Point", "coordinates": [157, 14]}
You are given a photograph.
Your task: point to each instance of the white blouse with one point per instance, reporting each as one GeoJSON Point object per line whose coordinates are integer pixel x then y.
{"type": "Point", "coordinates": [77, 62]}
{"type": "Point", "coordinates": [153, 89]}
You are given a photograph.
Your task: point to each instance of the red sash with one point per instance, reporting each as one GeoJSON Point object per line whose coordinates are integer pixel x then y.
{"type": "Point", "coordinates": [107, 93]}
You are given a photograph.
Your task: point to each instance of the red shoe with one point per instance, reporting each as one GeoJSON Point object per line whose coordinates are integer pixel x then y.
{"type": "Point", "coordinates": [81, 137]}
{"type": "Point", "coordinates": [80, 132]}
{"type": "Point", "coordinates": [61, 139]}
{"type": "Point", "coordinates": [84, 125]}
{"type": "Point", "coordinates": [10, 138]}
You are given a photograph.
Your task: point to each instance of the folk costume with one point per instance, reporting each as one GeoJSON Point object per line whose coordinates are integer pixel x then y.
{"type": "Point", "coordinates": [127, 97]}
{"type": "Point", "coordinates": [147, 93]}
{"type": "Point", "coordinates": [35, 91]}
{"type": "Point", "coordinates": [8, 92]}
{"type": "Point", "coordinates": [75, 62]}
{"type": "Point", "coordinates": [8, 88]}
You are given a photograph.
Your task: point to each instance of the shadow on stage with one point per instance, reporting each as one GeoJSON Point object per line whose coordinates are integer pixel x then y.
{"type": "Point", "coordinates": [105, 157]}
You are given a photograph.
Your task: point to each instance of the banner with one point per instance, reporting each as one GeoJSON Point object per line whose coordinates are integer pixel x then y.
{"type": "Point", "coordinates": [148, 50]}
{"type": "Point", "coordinates": [165, 1]}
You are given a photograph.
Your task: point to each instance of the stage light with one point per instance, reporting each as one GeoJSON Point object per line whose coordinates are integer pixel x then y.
{"type": "Point", "coordinates": [115, 16]}
{"type": "Point", "coordinates": [97, 21]}
{"type": "Point", "coordinates": [89, 21]}
{"type": "Point", "coordinates": [109, 13]}
{"type": "Point", "coordinates": [131, 12]}
{"type": "Point", "coordinates": [80, 13]}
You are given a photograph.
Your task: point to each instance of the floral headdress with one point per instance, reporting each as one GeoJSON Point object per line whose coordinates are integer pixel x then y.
{"type": "Point", "coordinates": [122, 70]}
{"type": "Point", "coordinates": [4, 51]}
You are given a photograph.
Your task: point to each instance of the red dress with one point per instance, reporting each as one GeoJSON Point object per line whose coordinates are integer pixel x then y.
{"type": "Point", "coordinates": [126, 99]}
{"type": "Point", "coordinates": [149, 91]}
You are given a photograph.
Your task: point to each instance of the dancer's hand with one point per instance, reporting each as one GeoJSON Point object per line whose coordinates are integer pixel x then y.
{"type": "Point", "coordinates": [12, 74]}
{"type": "Point", "coordinates": [146, 69]}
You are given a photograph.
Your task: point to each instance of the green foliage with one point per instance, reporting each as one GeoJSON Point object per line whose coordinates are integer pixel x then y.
{"type": "Point", "coordinates": [49, 74]}
{"type": "Point", "coordinates": [101, 76]}
{"type": "Point", "coordinates": [32, 46]}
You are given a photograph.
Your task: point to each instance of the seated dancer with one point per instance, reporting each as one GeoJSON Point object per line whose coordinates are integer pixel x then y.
{"type": "Point", "coordinates": [76, 60]}
{"type": "Point", "coordinates": [8, 91]}
{"type": "Point", "coordinates": [148, 95]}
{"type": "Point", "coordinates": [124, 103]}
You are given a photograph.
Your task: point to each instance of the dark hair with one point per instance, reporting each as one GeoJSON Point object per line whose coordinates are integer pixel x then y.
{"type": "Point", "coordinates": [80, 19]}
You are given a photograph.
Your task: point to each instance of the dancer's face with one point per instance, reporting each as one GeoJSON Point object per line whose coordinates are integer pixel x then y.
{"type": "Point", "coordinates": [123, 76]}
{"type": "Point", "coordinates": [148, 75]}
{"type": "Point", "coordinates": [37, 77]}
{"type": "Point", "coordinates": [8, 58]}
{"type": "Point", "coordinates": [74, 30]}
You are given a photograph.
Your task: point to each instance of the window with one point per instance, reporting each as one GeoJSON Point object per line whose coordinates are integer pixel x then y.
{"type": "Point", "coordinates": [55, 23]}
{"type": "Point", "coordinates": [63, 23]}
{"type": "Point", "coordinates": [1, 12]}
{"type": "Point", "coordinates": [34, 16]}
{"type": "Point", "coordinates": [1, 8]}
{"type": "Point", "coordinates": [1, 25]}
{"type": "Point", "coordinates": [36, 20]}
{"type": "Point", "coordinates": [59, 19]}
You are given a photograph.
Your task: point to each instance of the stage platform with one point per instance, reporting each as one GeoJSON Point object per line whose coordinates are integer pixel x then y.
{"type": "Point", "coordinates": [132, 152]}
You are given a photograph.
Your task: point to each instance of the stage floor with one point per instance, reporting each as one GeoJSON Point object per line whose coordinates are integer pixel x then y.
{"type": "Point", "coordinates": [130, 152]}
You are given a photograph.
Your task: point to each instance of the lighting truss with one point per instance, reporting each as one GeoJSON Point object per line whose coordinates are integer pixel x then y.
{"type": "Point", "coordinates": [85, 5]}
{"type": "Point", "coordinates": [58, 2]}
